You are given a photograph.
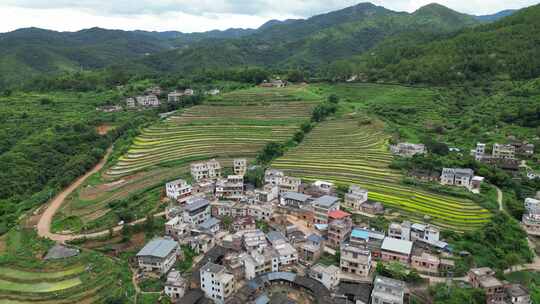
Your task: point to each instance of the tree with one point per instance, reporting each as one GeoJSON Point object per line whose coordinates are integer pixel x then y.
{"type": "Point", "coordinates": [333, 98]}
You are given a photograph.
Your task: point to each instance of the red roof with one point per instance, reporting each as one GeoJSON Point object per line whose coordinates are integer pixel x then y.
{"type": "Point", "coordinates": [338, 214]}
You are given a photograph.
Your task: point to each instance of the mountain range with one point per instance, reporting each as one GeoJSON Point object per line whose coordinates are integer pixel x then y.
{"type": "Point", "coordinates": [309, 44]}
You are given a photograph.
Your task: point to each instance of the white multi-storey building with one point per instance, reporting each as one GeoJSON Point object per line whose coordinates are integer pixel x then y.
{"type": "Point", "coordinates": [178, 190]}
{"type": "Point", "coordinates": [206, 170]}
{"type": "Point", "coordinates": [148, 100]}
{"type": "Point", "coordinates": [284, 183]}
{"type": "Point", "coordinates": [197, 211]}
{"type": "Point", "coordinates": [501, 151]}
{"type": "Point", "coordinates": [231, 188]}
{"type": "Point", "coordinates": [158, 255]}
{"type": "Point", "coordinates": [239, 166]}
{"type": "Point", "coordinates": [175, 286]}
{"type": "Point", "coordinates": [355, 260]}
{"type": "Point", "coordinates": [216, 283]}
{"type": "Point", "coordinates": [355, 197]}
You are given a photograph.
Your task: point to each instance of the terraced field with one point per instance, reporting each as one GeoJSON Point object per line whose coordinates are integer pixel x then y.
{"type": "Point", "coordinates": [86, 278]}
{"type": "Point", "coordinates": [343, 152]}
{"type": "Point", "coordinates": [237, 124]}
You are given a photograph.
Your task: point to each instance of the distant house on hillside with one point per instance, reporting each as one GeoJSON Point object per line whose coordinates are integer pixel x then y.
{"type": "Point", "coordinates": [213, 92]}
{"type": "Point", "coordinates": [148, 101]}
{"type": "Point", "coordinates": [408, 149]}
{"type": "Point", "coordinates": [175, 96]}
{"type": "Point", "coordinates": [130, 102]}
{"type": "Point", "coordinates": [274, 83]}
{"type": "Point", "coordinates": [109, 109]}
{"type": "Point", "coordinates": [462, 178]}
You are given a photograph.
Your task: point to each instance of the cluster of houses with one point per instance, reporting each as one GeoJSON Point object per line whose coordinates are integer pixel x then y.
{"type": "Point", "coordinates": [408, 149]}
{"type": "Point", "coordinates": [151, 96]}
{"type": "Point", "coordinates": [221, 213]}
{"type": "Point", "coordinates": [273, 83]}
{"type": "Point", "coordinates": [506, 156]}
{"type": "Point", "coordinates": [496, 291]}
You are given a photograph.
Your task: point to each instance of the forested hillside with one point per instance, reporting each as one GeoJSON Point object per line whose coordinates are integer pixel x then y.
{"type": "Point", "coordinates": [310, 44]}
{"type": "Point", "coordinates": [505, 50]}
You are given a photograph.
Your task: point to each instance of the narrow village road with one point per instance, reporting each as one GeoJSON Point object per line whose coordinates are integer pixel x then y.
{"type": "Point", "coordinates": [500, 198]}
{"type": "Point", "coordinates": [44, 224]}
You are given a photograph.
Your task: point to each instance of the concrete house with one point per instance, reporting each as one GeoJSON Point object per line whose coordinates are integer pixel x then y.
{"type": "Point", "coordinates": [424, 261]}
{"type": "Point", "coordinates": [484, 278]}
{"type": "Point", "coordinates": [501, 151]}
{"type": "Point", "coordinates": [355, 260]}
{"type": "Point", "coordinates": [158, 255]}
{"type": "Point", "coordinates": [321, 207]}
{"type": "Point", "coordinates": [175, 96]}
{"type": "Point", "coordinates": [531, 217]}
{"type": "Point", "coordinates": [148, 101]}
{"type": "Point", "coordinates": [240, 166]}
{"type": "Point", "coordinates": [175, 286]}
{"type": "Point", "coordinates": [206, 170]}
{"type": "Point", "coordinates": [216, 282]}
{"type": "Point", "coordinates": [396, 250]}
{"type": "Point", "coordinates": [517, 294]}
{"type": "Point", "coordinates": [457, 177]}
{"type": "Point", "coordinates": [407, 149]}
{"type": "Point", "coordinates": [355, 197]}
{"type": "Point", "coordinates": [327, 275]}
{"type": "Point", "coordinates": [260, 261]}
{"type": "Point", "coordinates": [211, 226]}
{"type": "Point", "coordinates": [295, 199]}
{"type": "Point", "coordinates": [177, 228]}
{"type": "Point", "coordinates": [311, 250]}
{"type": "Point", "coordinates": [130, 102]}
{"type": "Point", "coordinates": [178, 190]}
{"type": "Point", "coordinates": [323, 186]}
{"type": "Point", "coordinates": [284, 183]}
{"type": "Point", "coordinates": [267, 194]}
{"type": "Point", "coordinates": [339, 228]}
{"type": "Point", "coordinates": [387, 291]}
{"type": "Point", "coordinates": [196, 212]}
{"type": "Point", "coordinates": [230, 188]}
{"type": "Point", "coordinates": [255, 239]}
{"type": "Point", "coordinates": [400, 231]}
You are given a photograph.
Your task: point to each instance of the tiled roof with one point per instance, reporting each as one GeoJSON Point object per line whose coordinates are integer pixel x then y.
{"type": "Point", "coordinates": [338, 214]}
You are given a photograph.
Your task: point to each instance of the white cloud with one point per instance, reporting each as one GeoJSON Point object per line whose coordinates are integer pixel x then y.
{"type": "Point", "coordinates": [197, 15]}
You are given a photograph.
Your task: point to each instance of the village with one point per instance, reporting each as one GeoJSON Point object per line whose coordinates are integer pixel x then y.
{"type": "Point", "coordinates": [301, 238]}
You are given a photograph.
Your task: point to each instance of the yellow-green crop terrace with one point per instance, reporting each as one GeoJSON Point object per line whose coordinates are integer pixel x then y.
{"type": "Point", "coordinates": [237, 124]}
{"type": "Point", "coordinates": [344, 152]}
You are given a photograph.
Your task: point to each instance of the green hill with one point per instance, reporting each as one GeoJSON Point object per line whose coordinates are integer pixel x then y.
{"type": "Point", "coordinates": [312, 43]}
{"type": "Point", "coordinates": [503, 50]}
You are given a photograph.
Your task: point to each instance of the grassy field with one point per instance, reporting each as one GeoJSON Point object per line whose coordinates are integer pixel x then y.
{"type": "Point", "coordinates": [236, 124]}
{"type": "Point", "coordinates": [86, 278]}
{"type": "Point", "coordinates": [345, 152]}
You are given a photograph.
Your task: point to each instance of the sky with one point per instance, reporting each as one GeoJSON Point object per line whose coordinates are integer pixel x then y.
{"type": "Point", "coordinates": [199, 15]}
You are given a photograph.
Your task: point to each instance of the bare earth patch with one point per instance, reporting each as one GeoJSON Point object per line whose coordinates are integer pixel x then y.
{"type": "Point", "coordinates": [104, 129]}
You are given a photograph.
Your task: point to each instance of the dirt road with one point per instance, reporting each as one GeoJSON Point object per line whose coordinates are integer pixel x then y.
{"type": "Point", "coordinates": [500, 198]}
{"type": "Point", "coordinates": [44, 223]}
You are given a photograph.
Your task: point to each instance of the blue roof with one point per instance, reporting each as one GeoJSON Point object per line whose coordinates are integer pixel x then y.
{"type": "Point", "coordinates": [295, 196]}
{"type": "Point", "coordinates": [262, 299]}
{"type": "Point", "coordinates": [274, 236]}
{"type": "Point", "coordinates": [321, 226]}
{"type": "Point", "coordinates": [197, 204]}
{"type": "Point", "coordinates": [314, 238]}
{"type": "Point", "coordinates": [360, 234]}
{"type": "Point", "coordinates": [326, 201]}
{"type": "Point", "coordinates": [159, 247]}
{"type": "Point", "coordinates": [209, 223]}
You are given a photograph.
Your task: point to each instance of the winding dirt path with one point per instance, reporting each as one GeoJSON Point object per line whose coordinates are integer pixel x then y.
{"type": "Point", "coordinates": [44, 224]}
{"type": "Point", "coordinates": [500, 199]}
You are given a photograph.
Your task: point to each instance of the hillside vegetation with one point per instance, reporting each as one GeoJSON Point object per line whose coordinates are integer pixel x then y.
{"type": "Point", "coordinates": [504, 50]}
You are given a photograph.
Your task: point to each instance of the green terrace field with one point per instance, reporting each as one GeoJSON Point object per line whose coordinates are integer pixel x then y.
{"type": "Point", "coordinates": [237, 124]}
{"type": "Point", "coordinates": [26, 278]}
{"type": "Point", "coordinates": [345, 152]}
